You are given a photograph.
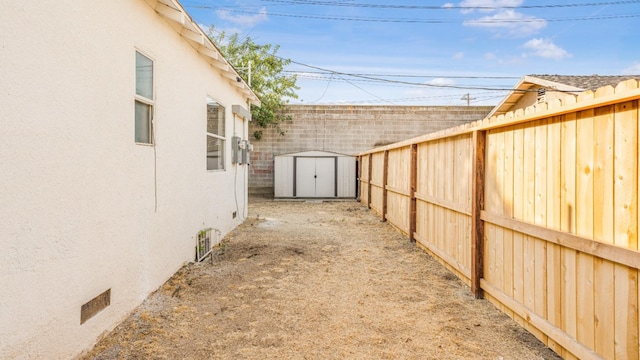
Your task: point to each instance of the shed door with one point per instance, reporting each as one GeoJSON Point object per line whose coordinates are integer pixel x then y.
{"type": "Point", "coordinates": [315, 177]}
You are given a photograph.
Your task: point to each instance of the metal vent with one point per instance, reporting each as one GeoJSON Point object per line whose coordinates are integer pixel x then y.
{"type": "Point", "coordinates": [94, 306]}
{"type": "Point", "coordinates": [542, 95]}
{"type": "Point", "coordinates": [205, 242]}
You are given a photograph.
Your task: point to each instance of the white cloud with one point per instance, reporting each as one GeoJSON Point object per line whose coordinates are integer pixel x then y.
{"type": "Point", "coordinates": [441, 82]}
{"type": "Point", "coordinates": [448, 5]}
{"type": "Point", "coordinates": [458, 56]}
{"type": "Point", "coordinates": [634, 69]}
{"type": "Point", "coordinates": [244, 20]}
{"type": "Point", "coordinates": [508, 22]}
{"type": "Point", "coordinates": [545, 48]}
{"type": "Point", "coordinates": [490, 56]}
{"type": "Point", "coordinates": [488, 4]}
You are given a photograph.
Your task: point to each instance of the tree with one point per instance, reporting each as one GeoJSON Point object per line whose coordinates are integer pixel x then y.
{"type": "Point", "coordinates": [267, 79]}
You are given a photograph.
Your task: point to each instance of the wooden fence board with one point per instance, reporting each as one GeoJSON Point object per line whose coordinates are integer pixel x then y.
{"type": "Point", "coordinates": [370, 171]}
{"type": "Point", "coordinates": [626, 313]}
{"type": "Point", "coordinates": [545, 220]}
{"type": "Point", "coordinates": [457, 181]}
{"type": "Point", "coordinates": [585, 293]}
{"type": "Point", "coordinates": [429, 149]}
{"type": "Point", "coordinates": [498, 240]}
{"type": "Point", "coordinates": [603, 310]}
{"type": "Point", "coordinates": [529, 172]}
{"type": "Point", "coordinates": [568, 289]}
{"type": "Point", "coordinates": [584, 227]}
{"type": "Point", "coordinates": [492, 199]}
{"type": "Point", "coordinates": [507, 210]}
{"type": "Point", "coordinates": [540, 209]}
{"type": "Point", "coordinates": [554, 260]}
{"type": "Point", "coordinates": [450, 216]}
{"type": "Point", "coordinates": [364, 179]}
{"type": "Point", "coordinates": [626, 228]}
{"type": "Point", "coordinates": [626, 175]}
{"type": "Point", "coordinates": [603, 229]}
{"type": "Point", "coordinates": [518, 213]}
{"type": "Point", "coordinates": [413, 175]}
{"type": "Point", "coordinates": [469, 196]}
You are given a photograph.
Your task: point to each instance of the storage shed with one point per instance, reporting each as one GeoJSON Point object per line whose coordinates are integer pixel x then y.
{"type": "Point", "coordinates": [314, 174]}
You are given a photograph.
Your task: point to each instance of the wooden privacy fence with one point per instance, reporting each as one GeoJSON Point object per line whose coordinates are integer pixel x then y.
{"type": "Point", "coordinates": [537, 210]}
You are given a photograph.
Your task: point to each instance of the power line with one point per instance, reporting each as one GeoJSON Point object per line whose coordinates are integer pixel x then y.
{"type": "Point", "coordinates": [412, 76]}
{"type": "Point", "coordinates": [454, 7]}
{"type": "Point", "coordinates": [370, 81]}
{"type": "Point", "coordinates": [325, 90]}
{"type": "Point", "coordinates": [442, 86]}
{"type": "Point", "coordinates": [422, 7]}
{"type": "Point", "coordinates": [432, 21]}
{"type": "Point", "coordinates": [376, 96]}
{"type": "Point", "coordinates": [409, 99]}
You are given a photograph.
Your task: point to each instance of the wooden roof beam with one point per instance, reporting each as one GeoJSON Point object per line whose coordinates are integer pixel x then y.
{"type": "Point", "coordinates": [193, 36]}
{"type": "Point", "coordinates": [171, 13]}
{"type": "Point", "coordinates": [221, 65]}
{"type": "Point", "coordinates": [213, 54]}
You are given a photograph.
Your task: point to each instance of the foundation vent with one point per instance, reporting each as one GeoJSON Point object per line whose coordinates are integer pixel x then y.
{"type": "Point", "coordinates": [97, 304]}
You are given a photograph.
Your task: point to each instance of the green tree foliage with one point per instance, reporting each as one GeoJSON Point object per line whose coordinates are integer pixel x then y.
{"type": "Point", "coordinates": [267, 79]}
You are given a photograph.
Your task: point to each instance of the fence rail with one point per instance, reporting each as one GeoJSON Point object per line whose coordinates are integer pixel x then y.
{"type": "Point", "coordinates": [537, 210]}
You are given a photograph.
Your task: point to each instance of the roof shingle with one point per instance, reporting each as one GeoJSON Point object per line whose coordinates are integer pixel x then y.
{"type": "Point", "coordinates": [590, 82]}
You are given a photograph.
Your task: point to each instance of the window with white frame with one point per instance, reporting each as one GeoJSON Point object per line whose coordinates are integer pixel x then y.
{"type": "Point", "coordinates": [144, 100]}
{"type": "Point", "coordinates": [215, 135]}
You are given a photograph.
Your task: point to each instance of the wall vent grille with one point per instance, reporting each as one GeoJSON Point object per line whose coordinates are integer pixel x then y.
{"type": "Point", "coordinates": [94, 306]}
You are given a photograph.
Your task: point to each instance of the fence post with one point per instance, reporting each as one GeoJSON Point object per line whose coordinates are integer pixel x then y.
{"type": "Point", "coordinates": [369, 180]}
{"type": "Point", "coordinates": [413, 178]}
{"type": "Point", "coordinates": [385, 177]}
{"type": "Point", "coordinates": [358, 177]}
{"type": "Point", "coordinates": [477, 204]}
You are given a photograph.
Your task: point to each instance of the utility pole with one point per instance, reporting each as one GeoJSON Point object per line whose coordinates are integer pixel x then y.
{"type": "Point", "coordinates": [249, 66]}
{"type": "Point", "coordinates": [248, 70]}
{"type": "Point", "coordinates": [467, 97]}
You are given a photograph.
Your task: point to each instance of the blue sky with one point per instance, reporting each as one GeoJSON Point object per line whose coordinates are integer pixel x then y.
{"type": "Point", "coordinates": [431, 52]}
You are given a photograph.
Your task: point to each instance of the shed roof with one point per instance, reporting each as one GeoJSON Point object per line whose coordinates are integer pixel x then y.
{"type": "Point", "coordinates": [314, 153]}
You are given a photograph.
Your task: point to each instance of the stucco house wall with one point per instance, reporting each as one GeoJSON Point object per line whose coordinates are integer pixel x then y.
{"type": "Point", "coordinates": [84, 208]}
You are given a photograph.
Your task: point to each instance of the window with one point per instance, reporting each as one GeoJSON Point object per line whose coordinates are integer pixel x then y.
{"type": "Point", "coordinates": [144, 99]}
{"type": "Point", "coordinates": [215, 136]}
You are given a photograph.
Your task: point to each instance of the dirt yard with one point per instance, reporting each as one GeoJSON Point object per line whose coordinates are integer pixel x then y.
{"type": "Point", "coordinates": [312, 280]}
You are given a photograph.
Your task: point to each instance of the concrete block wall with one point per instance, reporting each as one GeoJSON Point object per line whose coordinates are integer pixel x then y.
{"type": "Point", "coordinates": [348, 129]}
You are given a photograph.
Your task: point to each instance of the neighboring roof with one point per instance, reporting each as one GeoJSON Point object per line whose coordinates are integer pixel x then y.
{"type": "Point", "coordinates": [566, 83]}
{"type": "Point", "coordinates": [591, 82]}
{"type": "Point", "coordinates": [173, 11]}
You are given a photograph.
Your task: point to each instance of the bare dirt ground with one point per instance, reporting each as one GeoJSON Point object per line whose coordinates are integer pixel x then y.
{"type": "Point", "coordinates": [310, 280]}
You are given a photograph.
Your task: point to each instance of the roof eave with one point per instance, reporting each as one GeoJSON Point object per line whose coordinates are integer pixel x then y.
{"type": "Point", "coordinates": [525, 83]}
{"type": "Point", "coordinates": [173, 11]}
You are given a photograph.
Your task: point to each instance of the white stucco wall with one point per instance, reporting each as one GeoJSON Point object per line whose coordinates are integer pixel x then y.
{"type": "Point", "coordinates": [78, 210]}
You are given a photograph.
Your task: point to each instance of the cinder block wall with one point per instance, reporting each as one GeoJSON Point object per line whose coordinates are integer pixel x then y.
{"type": "Point", "coordinates": [348, 129]}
